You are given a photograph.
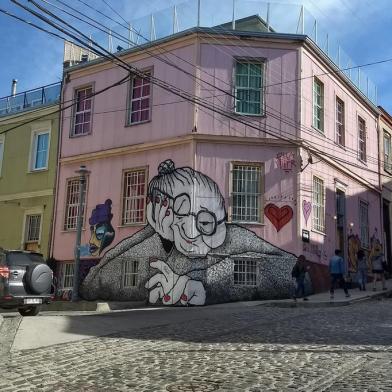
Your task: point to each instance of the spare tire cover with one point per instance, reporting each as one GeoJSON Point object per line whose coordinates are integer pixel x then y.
{"type": "Point", "coordinates": [39, 278]}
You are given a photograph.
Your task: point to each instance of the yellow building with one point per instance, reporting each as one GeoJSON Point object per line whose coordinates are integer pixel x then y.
{"type": "Point", "coordinates": [29, 129]}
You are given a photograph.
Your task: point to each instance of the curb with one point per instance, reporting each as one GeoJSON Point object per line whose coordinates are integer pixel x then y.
{"type": "Point", "coordinates": [90, 306]}
{"type": "Point", "coordinates": [324, 304]}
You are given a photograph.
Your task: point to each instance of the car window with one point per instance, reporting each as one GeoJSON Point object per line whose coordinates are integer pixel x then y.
{"type": "Point", "coordinates": [23, 258]}
{"type": "Point", "coordinates": [2, 258]}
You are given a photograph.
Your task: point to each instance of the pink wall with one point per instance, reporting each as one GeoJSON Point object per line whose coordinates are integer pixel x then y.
{"type": "Point", "coordinates": [105, 182]}
{"type": "Point", "coordinates": [217, 63]}
{"type": "Point", "coordinates": [322, 246]}
{"type": "Point", "coordinates": [171, 116]}
{"type": "Point", "coordinates": [280, 187]}
{"type": "Point", "coordinates": [353, 108]}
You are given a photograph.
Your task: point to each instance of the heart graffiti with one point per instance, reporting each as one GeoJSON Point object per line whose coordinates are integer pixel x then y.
{"type": "Point", "coordinates": [307, 209]}
{"type": "Point", "coordinates": [279, 216]}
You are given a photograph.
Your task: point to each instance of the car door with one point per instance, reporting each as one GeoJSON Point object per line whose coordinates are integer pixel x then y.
{"type": "Point", "coordinates": [17, 264]}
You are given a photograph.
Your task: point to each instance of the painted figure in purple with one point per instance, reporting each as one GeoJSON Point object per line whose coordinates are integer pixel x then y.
{"type": "Point", "coordinates": [102, 232]}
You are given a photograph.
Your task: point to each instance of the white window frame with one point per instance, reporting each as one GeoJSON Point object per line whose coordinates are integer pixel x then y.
{"type": "Point", "coordinates": [2, 144]}
{"type": "Point", "coordinates": [39, 210]}
{"type": "Point", "coordinates": [262, 63]}
{"type": "Point", "coordinates": [67, 276]}
{"type": "Point", "coordinates": [387, 154]}
{"type": "Point", "coordinates": [128, 213]}
{"type": "Point", "coordinates": [246, 274]}
{"type": "Point", "coordinates": [318, 107]}
{"type": "Point", "coordinates": [259, 195]}
{"type": "Point", "coordinates": [318, 201]}
{"type": "Point", "coordinates": [148, 72]}
{"type": "Point", "coordinates": [39, 128]}
{"type": "Point", "coordinates": [28, 223]}
{"type": "Point", "coordinates": [130, 274]}
{"type": "Point", "coordinates": [75, 112]}
{"type": "Point", "coordinates": [68, 206]}
{"type": "Point", "coordinates": [362, 141]}
{"type": "Point", "coordinates": [340, 125]}
{"type": "Point", "coordinates": [364, 223]}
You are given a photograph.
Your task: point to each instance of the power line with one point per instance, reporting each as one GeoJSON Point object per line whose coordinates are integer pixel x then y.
{"type": "Point", "coordinates": [174, 90]}
{"type": "Point", "coordinates": [353, 152]}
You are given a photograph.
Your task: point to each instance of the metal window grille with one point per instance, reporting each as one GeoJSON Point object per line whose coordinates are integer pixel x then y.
{"type": "Point", "coordinates": [364, 223]}
{"type": "Point", "coordinates": [33, 228]}
{"type": "Point", "coordinates": [340, 123]}
{"type": "Point", "coordinates": [130, 273]}
{"type": "Point", "coordinates": [246, 193]}
{"type": "Point", "coordinates": [140, 100]}
{"type": "Point", "coordinates": [362, 139]}
{"type": "Point", "coordinates": [387, 151]}
{"type": "Point", "coordinates": [318, 204]}
{"type": "Point", "coordinates": [245, 272]}
{"type": "Point", "coordinates": [68, 275]}
{"type": "Point", "coordinates": [82, 117]}
{"type": "Point", "coordinates": [41, 144]}
{"type": "Point", "coordinates": [249, 78]}
{"type": "Point", "coordinates": [72, 204]}
{"type": "Point", "coordinates": [318, 104]}
{"type": "Point", "coordinates": [134, 196]}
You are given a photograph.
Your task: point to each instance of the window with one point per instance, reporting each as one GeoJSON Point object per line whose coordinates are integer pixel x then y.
{"type": "Point", "coordinates": [249, 95]}
{"type": "Point", "coordinates": [1, 152]}
{"type": "Point", "coordinates": [134, 196]}
{"type": "Point", "coordinates": [246, 193]}
{"type": "Point", "coordinates": [245, 272]}
{"type": "Point", "coordinates": [40, 153]}
{"type": "Point", "coordinates": [362, 139]}
{"type": "Point", "coordinates": [387, 151]}
{"type": "Point", "coordinates": [130, 273]}
{"type": "Point", "coordinates": [318, 204]}
{"type": "Point", "coordinates": [318, 104]}
{"type": "Point", "coordinates": [72, 204]}
{"type": "Point", "coordinates": [364, 223]}
{"type": "Point", "coordinates": [67, 276]}
{"type": "Point", "coordinates": [83, 108]}
{"type": "Point", "coordinates": [340, 123]}
{"type": "Point", "coordinates": [33, 228]}
{"type": "Point", "coordinates": [140, 99]}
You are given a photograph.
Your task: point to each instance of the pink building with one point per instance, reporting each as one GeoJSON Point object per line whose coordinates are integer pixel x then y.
{"type": "Point", "coordinates": [198, 203]}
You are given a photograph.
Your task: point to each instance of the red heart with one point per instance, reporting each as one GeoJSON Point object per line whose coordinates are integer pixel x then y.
{"type": "Point", "coordinates": [279, 216]}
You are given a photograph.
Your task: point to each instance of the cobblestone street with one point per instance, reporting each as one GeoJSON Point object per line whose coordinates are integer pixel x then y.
{"type": "Point", "coordinates": [227, 349]}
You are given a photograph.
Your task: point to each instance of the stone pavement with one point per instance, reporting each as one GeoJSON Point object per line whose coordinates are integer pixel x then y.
{"type": "Point", "coordinates": [233, 348]}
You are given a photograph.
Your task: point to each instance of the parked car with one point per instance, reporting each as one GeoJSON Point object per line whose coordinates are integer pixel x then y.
{"type": "Point", "coordinates": [25, 281]}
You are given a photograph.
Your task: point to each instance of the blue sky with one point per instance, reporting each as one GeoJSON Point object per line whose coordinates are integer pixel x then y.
{"type": "Point", "coordinates": [363, 28]}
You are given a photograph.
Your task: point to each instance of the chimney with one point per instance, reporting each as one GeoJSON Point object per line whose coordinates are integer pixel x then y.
{"type": "Point", "coordinates": [13, 88]}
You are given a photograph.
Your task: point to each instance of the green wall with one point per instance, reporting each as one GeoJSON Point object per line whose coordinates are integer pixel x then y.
{"type": "Point", "coordinates": [21, 189]}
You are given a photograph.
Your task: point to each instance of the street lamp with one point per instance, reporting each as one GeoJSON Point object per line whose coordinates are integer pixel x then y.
{"type": "Point", "coordinates": [82, 190]}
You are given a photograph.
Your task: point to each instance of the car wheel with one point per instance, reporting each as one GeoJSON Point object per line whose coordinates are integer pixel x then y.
{"type": "Point", "coordinates": [29, 311]}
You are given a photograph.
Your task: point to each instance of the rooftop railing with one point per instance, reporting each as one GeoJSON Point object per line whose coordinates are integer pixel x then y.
{"type": "Point", "coordinates": [279, 18]}
{"type": "Point", "coordinates": [30, 99]}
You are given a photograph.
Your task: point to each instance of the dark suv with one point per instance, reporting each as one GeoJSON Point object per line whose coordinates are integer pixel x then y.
{"type": "Point", "coordinates": [25, 281]}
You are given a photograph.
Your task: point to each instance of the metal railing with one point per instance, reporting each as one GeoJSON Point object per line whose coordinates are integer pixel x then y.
{"type": "Point", "coordinates": [30, 99]}
{"type": "Point", "coordinates": [278, 17]}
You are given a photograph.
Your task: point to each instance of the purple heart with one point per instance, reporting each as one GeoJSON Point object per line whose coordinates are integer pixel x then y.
{"type": "Point", "coordinates": [307, 208]}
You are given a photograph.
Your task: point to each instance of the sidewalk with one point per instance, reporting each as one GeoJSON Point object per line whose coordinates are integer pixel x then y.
{"type": "Point", "coordinates": [323, 299]}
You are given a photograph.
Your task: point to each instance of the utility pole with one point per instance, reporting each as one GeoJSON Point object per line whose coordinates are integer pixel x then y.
{"type": "Point", "coordinates": [82, 190]}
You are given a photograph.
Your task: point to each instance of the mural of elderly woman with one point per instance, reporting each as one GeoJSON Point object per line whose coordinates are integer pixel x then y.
{"type": "Point", "coordinates": [188, 254]}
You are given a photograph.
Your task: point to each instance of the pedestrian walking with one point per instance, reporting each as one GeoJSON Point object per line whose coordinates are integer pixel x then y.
{"type": "Point", "coordinates": [362, 269]}
{"type": "Point", "coordinates": [337, 271]}
{"type": "Point", "coordinates": [378, 269]}
{"type": "Point", "coordinates": [299, 273]}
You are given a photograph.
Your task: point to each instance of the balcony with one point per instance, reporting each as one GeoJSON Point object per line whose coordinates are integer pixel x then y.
{"type": "Point", "coordinates": [31, 99]}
